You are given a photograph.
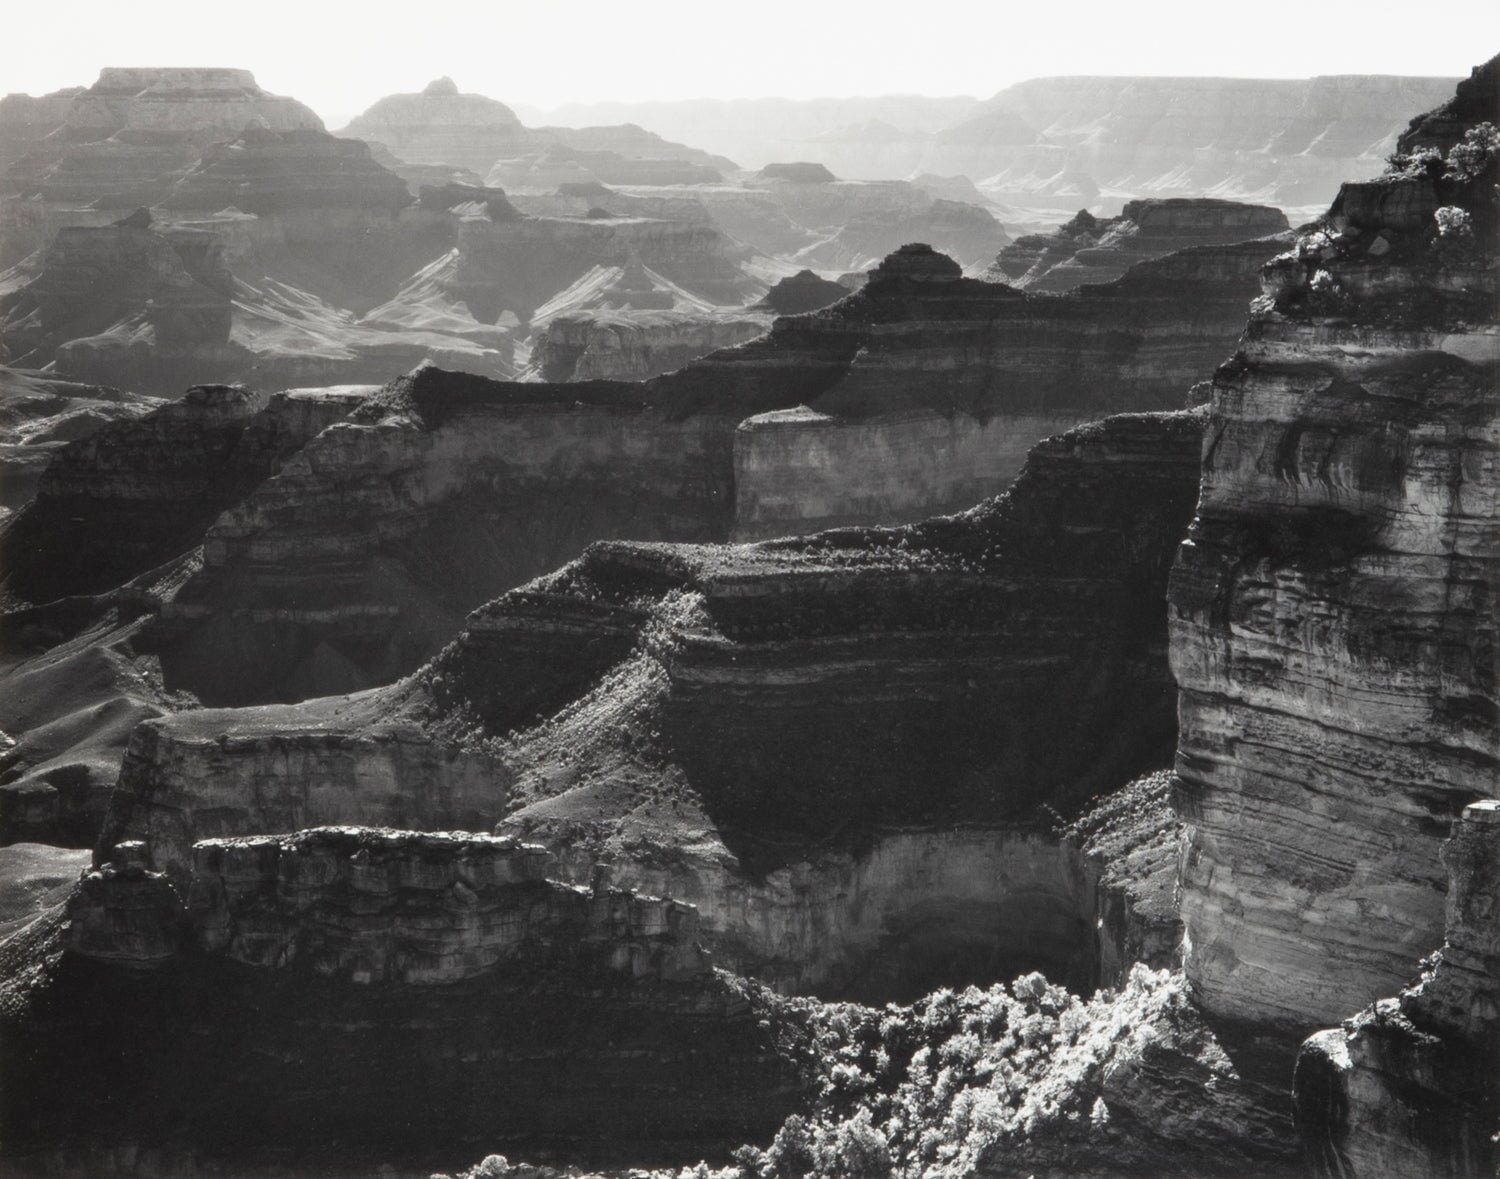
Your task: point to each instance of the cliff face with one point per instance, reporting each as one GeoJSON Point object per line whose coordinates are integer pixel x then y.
{"type": "Point", "coordinates": [1089, 249]}
{"type": "Point", "coordinates": [1407, 1086]}
{"type": "Point", "coordinates": [955, 379]}
{"type": "Point", "coordinates": [323, 983]}
{"type": "Point", "coordinates": [1333, 614]}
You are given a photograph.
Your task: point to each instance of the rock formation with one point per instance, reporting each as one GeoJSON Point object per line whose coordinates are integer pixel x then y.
{"type": "Point", "coordinates": [1333, 611]}
{"type": "Point", "coordinates": [121, 142]}
{"type": "Point", "coordinates": [1089, 249]}
{"type": "Point", "coordinates": [1407, 1086]}
{"type": "Point", "coordinates": [442, 126]}
{"type": "Point", "coordinates": [634, 345]}
{"type": "Point", "coordinates": [834, 635]}
{"type": "Point", "coordinates": [522, 477]}
{"type": "Point", "coordinates": [39, 414]}
{"type": "Point", "coordinates": [411, 999]}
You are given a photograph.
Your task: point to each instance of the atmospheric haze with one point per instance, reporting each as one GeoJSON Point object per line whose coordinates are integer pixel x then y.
{"type": "Point", "coordinates": [339, 58]}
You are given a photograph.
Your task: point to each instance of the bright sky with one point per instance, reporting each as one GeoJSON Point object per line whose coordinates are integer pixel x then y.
{"type": "Point", "coordinates": [339, 57]}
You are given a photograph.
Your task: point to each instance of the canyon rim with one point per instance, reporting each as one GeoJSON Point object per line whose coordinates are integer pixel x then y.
{"type": "Point", "coordinates": [902, 637]}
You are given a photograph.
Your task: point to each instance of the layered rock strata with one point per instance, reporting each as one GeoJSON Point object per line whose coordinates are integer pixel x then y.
{"type": "Point", "coordinates": [737, 727]}
{"type": "Point", "coordinates": [137, 493]}
{"type": "Point", "coordinates": [121, 142]}
{"type": "Point", "coordinates": [288, 1004]}
{"type": "Point", "coordinates": [1408, 1085]}
{"type": "Point", "coordinates": [953, 389]}
{"type": "Point", "coordinates": [1089, 249]}
{"type": "Point", "coordinates": [634, 345]}
{"type": "Point", "coordinates": [923, 392]}
{"type": "Point", "coordinates": [1333, 608]}
{"type": "Point", "coordinates": [442, 126]}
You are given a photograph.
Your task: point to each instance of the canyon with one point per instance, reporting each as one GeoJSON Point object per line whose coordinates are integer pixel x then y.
{"type": "Point", "coordinates": [1069, 142]}
{"type": "Point", "coordinates": [920, 393]}
{"type": "Point", "coordinates": [911, 725]}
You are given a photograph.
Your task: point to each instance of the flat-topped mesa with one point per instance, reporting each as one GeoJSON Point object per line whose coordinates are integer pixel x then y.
{"type": "Point", "coordinates": [368, 964]}
{"type": "Point", "coordinates": [1333, 622]}
{"type": "Point", "coordinates": [192, 101]}
{"type": "Point", "coordinates": [797, 173]}
{"type": "Point", "coordinates": [1089, 249]}
{"type": "Point", "coordinates": [440, 125]}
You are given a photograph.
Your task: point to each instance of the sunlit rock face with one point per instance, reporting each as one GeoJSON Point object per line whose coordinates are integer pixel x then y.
{"type": "Point", "coordinates": [1089, 249]}
{"type": "Point", "coordinates": [381, 998]}
{"type": "Point", "coordinates": [1407, 1086]}
{"type": "Point", "coordinates": [1333, 621]}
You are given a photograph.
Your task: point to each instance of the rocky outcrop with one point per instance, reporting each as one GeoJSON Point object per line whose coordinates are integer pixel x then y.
{"type": "Point", "coordinates": [1332, 610]}
{"type": "Point", "coordinates": [316, 982]}
{"type": "Point", "coordinates": [339, 761]}
{"type": "Point", "coordinates": [1408, 1086]}
{"type": "Point", "coordinates": [1090, 250]}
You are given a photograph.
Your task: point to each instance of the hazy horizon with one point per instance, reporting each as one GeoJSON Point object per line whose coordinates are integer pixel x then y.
{"type": "Point", "coordinates": [531, 54]}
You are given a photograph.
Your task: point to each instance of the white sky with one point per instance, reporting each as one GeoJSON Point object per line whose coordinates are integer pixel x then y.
{"type": "Point", "coordinates": [339, 57]}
